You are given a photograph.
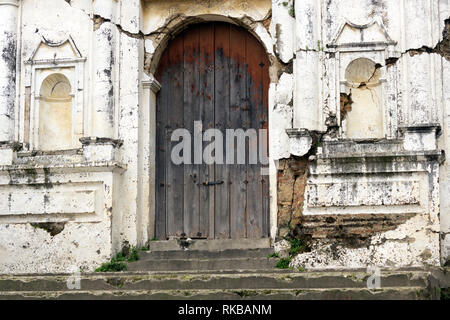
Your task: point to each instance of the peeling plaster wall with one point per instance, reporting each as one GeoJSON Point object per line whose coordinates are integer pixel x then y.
{"type": "Point", "coordinates": [362, 177]}
{"type": "Point", "coordinates": [444, 141]}
{"type": "Point", "coordinates": [58, 206]}
{"type": "Point", "coordinates": [8, 38]}
{"type": "Point", "coordinates": [77, 197]}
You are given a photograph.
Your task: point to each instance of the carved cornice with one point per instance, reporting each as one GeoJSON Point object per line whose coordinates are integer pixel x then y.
{"type": "Point", "coordinates": [152, 83]}
{"type": "Point", "coordinates": [116, 143]}
{"type": "Point", "coordinates": [9, 3]}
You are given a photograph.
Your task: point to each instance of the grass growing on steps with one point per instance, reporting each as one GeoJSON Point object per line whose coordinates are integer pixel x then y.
{"type": "Point", "coordinates": [445, 294]}
{"type": "Point", "coordinates": [283, 263]}
{"type": "Point", "coordinates": [297, 246]}
{"type": "Point", "coordinates": [133, 255]}
{"type": "Point", "coordinates": [115, 265]}
{"type": "Point", "coordinates": [118, 263]}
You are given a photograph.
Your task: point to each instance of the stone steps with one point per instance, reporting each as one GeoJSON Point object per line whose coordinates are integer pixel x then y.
{"type": "Point", "coordinates": [212, 274]}
{"type": "Point", "coordinates": [205, 260]}
{"type": "Point", "coordinates": [204, 254]}
{"type": "Point", "coordinates": [412, 293]}
{"type": "Point", "coordinates": [211, 245]}
{"type": "Point", "coordinates": [218, 285]}
{"type": "Point", "coordinates": [203, 264]}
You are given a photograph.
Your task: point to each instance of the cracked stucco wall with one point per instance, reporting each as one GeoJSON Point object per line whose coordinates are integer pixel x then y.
{"type": "Point", "coordinates": [444, 143]}
{"type": "Point", "coordinates": [349, 177]}
{"type": "Point", "coordinates": [117, 44]}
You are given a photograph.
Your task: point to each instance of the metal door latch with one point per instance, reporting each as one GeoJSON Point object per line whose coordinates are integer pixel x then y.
{"type": "Point", "coordinates": [212, 183]}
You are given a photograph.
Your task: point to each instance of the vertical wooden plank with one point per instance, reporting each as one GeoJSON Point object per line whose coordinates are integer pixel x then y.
{"type": "Point", "coordinates": [191, 114]}
{"type": "Point", "coordinates": [265, 125]}
{"type": "Point", "coordinates": [160, 174]}
{"type": "Point", "coordinates": [175, 173]}
{"type": "Point", "coordinates": [221, 111]}
{"type": "Point", "coordinates": [206, 105]}
{"type": "Point", "coordinates": [254, 186]}
{"type": "Point", "coordinates": [238, 105]}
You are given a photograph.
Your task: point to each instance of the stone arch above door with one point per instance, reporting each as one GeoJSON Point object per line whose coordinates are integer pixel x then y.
{"type": "Point", "coordinates": [156, 43]}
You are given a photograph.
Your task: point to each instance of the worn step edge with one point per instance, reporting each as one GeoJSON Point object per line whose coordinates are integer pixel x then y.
{"type": "Point", "coordinates": [224, 273]}
{"type": "Point", "coordinates": [209, 281]}
{"type": "Point", "coordinates": [411, 270]}
{"type": "Point", "coordinates": [203, 264]}
{"type": "Point", "coordinates": [204, 254]}
{"type": "Point", "coordinates": [330, 293]}
{"type": "Point", "coordinates": [211, 245]}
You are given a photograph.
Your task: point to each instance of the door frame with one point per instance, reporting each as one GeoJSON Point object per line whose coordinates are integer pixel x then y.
{"type": "Point", "coordinates": [147, 146]}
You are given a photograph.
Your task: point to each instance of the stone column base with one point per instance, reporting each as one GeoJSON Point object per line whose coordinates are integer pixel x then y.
{"type": "Point", "coordinates": [8, 152]}
{"type": "Point", "coordinates": [300, 141]}
{"type": "Point", "coordinates": [420, 137]}
{"type": "Point", "coordinates": [100, 149]}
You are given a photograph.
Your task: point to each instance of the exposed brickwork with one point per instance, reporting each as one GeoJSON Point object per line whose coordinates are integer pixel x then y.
{"type": "Point", "coordinates": [349, 229]}
{"type": "Point", "coordinates": [444, 46]}
{"type": "Point", "coordinates": [292, 178]}
{"type": "Point", "coordinates": [346, 104]}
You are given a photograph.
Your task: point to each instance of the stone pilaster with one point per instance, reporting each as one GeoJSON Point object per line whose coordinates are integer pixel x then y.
{"type": "Point", "coordinates": [8, 48]}
{"type": "Point", "coordinates": [306, 66]}
{"type": "Point", "coordinates": [8, 55]}
{"type": "Point", "coordinates": [104, 60]}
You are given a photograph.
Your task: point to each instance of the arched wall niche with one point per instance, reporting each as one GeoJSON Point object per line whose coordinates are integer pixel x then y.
{"type": "Point", "coordinates": [54, 75]}
{"type": "Point", "coordinates": [364, 119]}
{"type": "Point", "coordinates": [55, 113]}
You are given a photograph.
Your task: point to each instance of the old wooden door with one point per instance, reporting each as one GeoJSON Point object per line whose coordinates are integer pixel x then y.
{"type": "Point", "coordinates": [216, 73]}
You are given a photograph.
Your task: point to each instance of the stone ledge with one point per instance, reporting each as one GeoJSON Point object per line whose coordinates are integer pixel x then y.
{"type": "Point", "coordinates": [361, 146]}
{"type": "Point", "coordinates": [415, 156]}
{"type": "Point", "coordinates": [40, 153]}
{"type": "Point", "coordinates": [73, 167]}
{"type": "Point", "coordinates": [86, 141]}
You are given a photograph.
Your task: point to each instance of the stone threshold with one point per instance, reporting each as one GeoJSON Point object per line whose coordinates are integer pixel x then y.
{"type": "Point", "coordinates": [209, 245]}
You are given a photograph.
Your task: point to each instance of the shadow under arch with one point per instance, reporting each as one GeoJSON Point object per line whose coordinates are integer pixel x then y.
{"type": "Point", "coordinates": [181, 23]}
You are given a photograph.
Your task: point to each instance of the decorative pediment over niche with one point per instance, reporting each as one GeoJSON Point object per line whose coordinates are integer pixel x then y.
{"type": "Point", "coordinates": [65, 50]}
{"type": "Point", "coordinates": [372, 34]}
{"type": "Point", "coordinates": [51, 64]}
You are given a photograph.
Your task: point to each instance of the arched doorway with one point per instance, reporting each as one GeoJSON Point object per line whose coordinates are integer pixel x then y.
{"type": "Point", "coordinates": [218, 75]}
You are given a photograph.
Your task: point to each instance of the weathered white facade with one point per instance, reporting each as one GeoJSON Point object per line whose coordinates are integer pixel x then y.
{"type": "Point", "coordinates": [359, 95]}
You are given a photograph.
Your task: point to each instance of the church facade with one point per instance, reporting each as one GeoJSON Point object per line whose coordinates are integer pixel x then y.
{"type": "Point", "coordinates": [349, 100]}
